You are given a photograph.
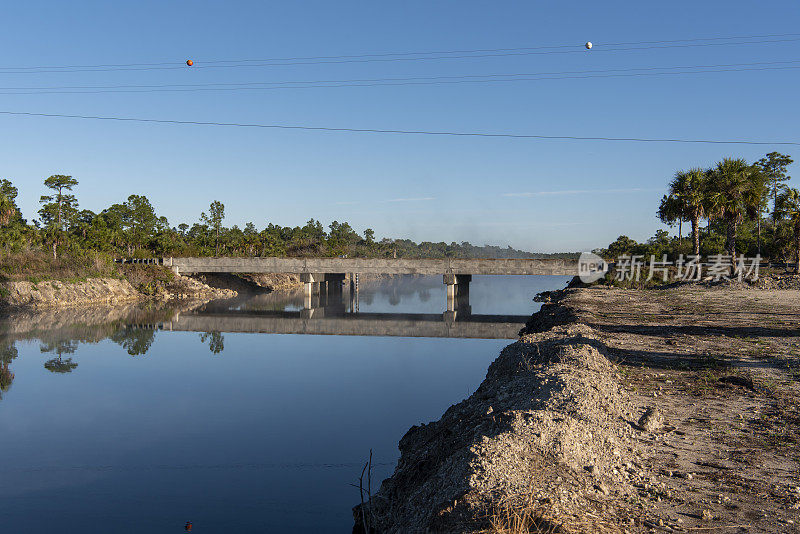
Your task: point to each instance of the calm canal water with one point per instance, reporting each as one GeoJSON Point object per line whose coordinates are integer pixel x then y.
{"type": "Point", "coordinates": [112, 422]}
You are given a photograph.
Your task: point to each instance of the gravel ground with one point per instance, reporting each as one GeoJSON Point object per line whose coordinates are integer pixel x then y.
{"type": "Point", "coordinates": [723, 366]}
{"type": "Point", "coordinates": [618, 411]}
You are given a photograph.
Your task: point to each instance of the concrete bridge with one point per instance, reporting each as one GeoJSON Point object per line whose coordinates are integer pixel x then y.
{"type": "Point", "coordinates": [326, 275]}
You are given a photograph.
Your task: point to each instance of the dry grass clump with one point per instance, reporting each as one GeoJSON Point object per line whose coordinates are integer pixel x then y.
{"type": "Point", "coordinates": [522, 515]}
{"type": "Point", "coordinates": [534, 518]}
{"type": "Point", "coordinates": [523, 518]}
{"type": "Point", "coordinates": [528, 515]}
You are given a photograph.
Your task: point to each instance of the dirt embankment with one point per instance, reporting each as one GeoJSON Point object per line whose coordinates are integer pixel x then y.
{"type": "Point", "coordinates": [274, 281]}
{"type": "Point", "coordinates": [55, 293]}
{"type": "Point", "coordinates": [99, 291]}
{"type": "Point", "coordinates": [618, 410]}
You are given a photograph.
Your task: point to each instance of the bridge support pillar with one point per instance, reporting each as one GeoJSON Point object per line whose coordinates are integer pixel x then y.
{"type": "Point", "coordinates": [319, 286]}
{"type": "Point", "coordinates": [311, 285]}
{"type": "Point", "coordinates": [458, 292]}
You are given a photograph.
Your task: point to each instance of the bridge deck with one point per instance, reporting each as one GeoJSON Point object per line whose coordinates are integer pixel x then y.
{"type": "Point", "coordinates": [375, 266]}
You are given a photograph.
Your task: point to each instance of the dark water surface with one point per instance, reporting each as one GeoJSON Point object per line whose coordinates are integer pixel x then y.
{"type": "Point", "coordinates": [234, 431]}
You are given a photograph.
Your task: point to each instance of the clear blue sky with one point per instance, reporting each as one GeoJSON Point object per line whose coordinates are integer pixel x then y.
{"type": "Point", "coordinates": [541, 195]}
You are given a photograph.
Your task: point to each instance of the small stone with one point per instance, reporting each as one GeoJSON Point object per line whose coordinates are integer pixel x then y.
{"type": "Point", "coordinates": [651, 420]}
{"type": "Point", "coordinates": [602, 488]}
{"type": "Point", "coordinates": [707, 515]}
{"type": "Point", "coordinates": [690, 476]}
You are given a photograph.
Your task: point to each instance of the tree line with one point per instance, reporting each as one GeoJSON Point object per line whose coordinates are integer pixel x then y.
{"type": "Point", "coordinates": [748, 208]}
{"type": "Point", "coordinates": [133, 228]}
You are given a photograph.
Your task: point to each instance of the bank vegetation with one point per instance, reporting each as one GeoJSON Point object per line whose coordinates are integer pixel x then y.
{"type": "Point", "coordinates": [733, 208]}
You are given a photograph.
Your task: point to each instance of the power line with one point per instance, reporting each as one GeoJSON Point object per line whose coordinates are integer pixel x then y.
{"type": "Point", "coordinates": [360, 82]}
{"type": "Point", "coordinates": [265, 86]}
{"type": "Point", "coordinates": [369, 59]}
{"type": "Point", "coordinates": [480, 50]}
{"type": "Point", "coordinates": [402, 132]}
{"type": "Point", "coordinates": [388, 54]}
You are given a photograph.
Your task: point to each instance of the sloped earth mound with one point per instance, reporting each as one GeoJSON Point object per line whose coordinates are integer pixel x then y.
{"type": "Point", "coordinates": [548, 429]}
{"type": "Point", "coordinates": [663, 410]}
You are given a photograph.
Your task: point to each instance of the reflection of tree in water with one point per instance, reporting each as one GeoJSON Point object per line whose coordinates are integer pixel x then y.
{"type": "Point", "coordinates": [394, 299]}
{"type": "Point", "coordinates": [7, 353]}
{"type": "Point", "coordinates": [424, 295]}
{"type": "Point", "coordinates": [135, 341]}
{"type": "Point", "coordinates": [216, 341]}
{"type": "Point", "coordinates": [6, 378]}
{"type": "Point", "coordinates": [59, 365]}
{"type": "Point", "coordinates": [60, 347]}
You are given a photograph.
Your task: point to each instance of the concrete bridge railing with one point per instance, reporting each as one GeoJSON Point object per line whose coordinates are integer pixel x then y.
{"type": "Point", "coordinates": [374, 266]}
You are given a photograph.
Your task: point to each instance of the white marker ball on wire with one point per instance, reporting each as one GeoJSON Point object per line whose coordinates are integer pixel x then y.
{"type": "Point", "coordinates": [588, 45]}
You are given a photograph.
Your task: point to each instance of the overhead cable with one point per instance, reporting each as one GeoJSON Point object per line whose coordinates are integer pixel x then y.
{"type": "Point", "coordinates": [402, 132]}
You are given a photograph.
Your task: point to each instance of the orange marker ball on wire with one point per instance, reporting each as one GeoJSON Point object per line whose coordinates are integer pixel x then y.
{"type": "Point", "coordinates": [189, 62]}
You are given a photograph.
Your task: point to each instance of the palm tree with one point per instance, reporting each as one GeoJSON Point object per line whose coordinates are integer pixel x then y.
{"type": "Point", "coordinates": [735, 190]}
{"type": "Point", "coordinates": [687, 200]}
{"type": "Point", "coordinates": [689, 189]}
{"type": "Point", "coordinates": [788, 205]}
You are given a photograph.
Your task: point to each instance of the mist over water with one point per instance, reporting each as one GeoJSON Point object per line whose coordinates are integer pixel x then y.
{"type": "Point", "coordinates": [135, 428]}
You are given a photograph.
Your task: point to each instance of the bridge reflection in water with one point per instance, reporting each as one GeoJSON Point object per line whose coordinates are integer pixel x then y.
{"type": "Point", "coordinates": [328, 314]}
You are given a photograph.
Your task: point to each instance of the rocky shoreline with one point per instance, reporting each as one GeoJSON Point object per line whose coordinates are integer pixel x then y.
{"type": "Point", "coordinates": [614, 412]}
